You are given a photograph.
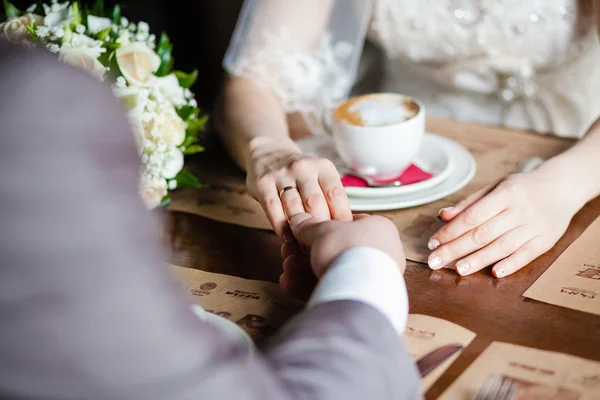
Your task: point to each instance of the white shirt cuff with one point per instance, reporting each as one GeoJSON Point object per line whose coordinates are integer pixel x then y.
{"type": "Point", "coordinates": [370, 276]}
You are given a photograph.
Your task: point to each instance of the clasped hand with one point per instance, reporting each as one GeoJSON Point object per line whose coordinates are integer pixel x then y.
{"type": "Point", "coordinates": [507, 225]}
{"type": "Point", "coordinates": [327, 241]}
{"type": "Point", "coordinates": [317, 189]}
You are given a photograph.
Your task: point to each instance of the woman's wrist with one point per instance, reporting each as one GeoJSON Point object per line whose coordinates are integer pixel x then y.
{"type": "Point", "coordinates": [260, 145]}
{"type": "Point", "coordinates": [572, 175]}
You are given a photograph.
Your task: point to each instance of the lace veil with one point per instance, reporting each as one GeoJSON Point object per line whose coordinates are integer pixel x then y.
{"type": "Point", "coordinates": [306, 51]}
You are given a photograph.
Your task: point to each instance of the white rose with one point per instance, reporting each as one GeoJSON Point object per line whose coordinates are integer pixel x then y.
{"type": "Point", "coordinates": [173, 163]}
{"type": "Point", "coordinates": [15, 29]}
{"type": "Point", "coordinates": [137, 63]}
{"type": "Point", "coordinates": [166, 126]}
{"type": "Point", "coordinates": [152, 192]}
{"type": "Point", "coordinates": [97, 24]}
{"type": "Point", "coordinates": [82, 60]}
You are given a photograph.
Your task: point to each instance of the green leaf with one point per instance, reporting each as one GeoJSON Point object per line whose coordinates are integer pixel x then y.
{"type": "Point", "coordinates": [165, 201]}
{"type": "Point", "coordinates": [115, 70]}
{"type": "Point", "coordinates": [31, 30]}
{"type": "Point", "coordinates": [186, 179]}
{"type": "Point", "coordinates": [103, 34]}
{"type": "Point", "coordinates": [10, 10]}
{"type": "Point", "coordinates": [116, 15]}
{"type": "Point", "coordinates": [112, 46]}
{"type": "Point", "coordinates": [164, 51]}
{"type": "Point", "coordinates": [196, 125]}
{"type": "Point", "coordinates": [189, 140]}
{"type": "Point", "coordinates": [98, 8]}
{"type": "Point", "coordinates": [186, 80]}
{"type": "Point", "coordinates": [163, 43]}
{"type": "Point", "coordinates": [169, 68]}
{"type": "Point", "coordinates": [68, 34]}
{"type": "Point", "coordinates": [76, 15]}
{"type": "Point", "coordinates": [193, 149]}
{"type": "Point", "coordinates": [84, 18]}
{"type": "Point", "coordinates": [186, 112]}
{"type": "Point", "coordinates": [105, 58]}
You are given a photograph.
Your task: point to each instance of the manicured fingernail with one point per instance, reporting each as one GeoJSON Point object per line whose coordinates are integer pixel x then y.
{"type": "Point", "coordinates": [433, 244]}
{"type": "Point", "coordinates": [500, 272]}
{"type": "Point", "coordinates": [462, 268]}
{"type": "Point", "coordinates": [434, 262]}
{"type": "Point", "coordinates": [444, 209]}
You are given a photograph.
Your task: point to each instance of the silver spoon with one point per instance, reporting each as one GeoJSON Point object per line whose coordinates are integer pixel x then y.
{"type": "Point", "coordinates": [374, 183]}
{"type": "Point", "coordinates": [370, 181]}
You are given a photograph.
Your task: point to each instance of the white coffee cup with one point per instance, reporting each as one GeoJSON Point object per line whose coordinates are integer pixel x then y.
{"type": "Point", "coordinates": [385, 150]}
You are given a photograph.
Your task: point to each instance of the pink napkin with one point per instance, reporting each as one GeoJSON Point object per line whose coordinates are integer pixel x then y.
{"type": "Point", "coordinates": [412, 174]}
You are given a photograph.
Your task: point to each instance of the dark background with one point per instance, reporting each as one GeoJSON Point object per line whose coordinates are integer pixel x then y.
{"type": "Point", "coordinates": [200, 31]}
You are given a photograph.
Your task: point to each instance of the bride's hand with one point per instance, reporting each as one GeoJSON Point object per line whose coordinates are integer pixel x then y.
{"type": "Point", "coordinates": [287, 182]}
{"type": "Point", "coordinates": [511, 224]}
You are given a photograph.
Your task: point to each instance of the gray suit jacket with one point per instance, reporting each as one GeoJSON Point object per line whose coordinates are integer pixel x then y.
{"type": "Point", "coordinates": [87, 308]}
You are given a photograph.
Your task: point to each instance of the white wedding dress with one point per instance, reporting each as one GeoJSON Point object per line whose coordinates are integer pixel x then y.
{"type": "Point", "coordinates": [527, 64]}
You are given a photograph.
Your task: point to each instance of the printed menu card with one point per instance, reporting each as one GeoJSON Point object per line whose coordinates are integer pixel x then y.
{"type": "Point", "coordinates": [573, 281]}
{"type": "Point", "coordinates": [260, 308]}
{"type": "Point", "coordinates": [425, 334]}
{"type": "Point", "coordinates": [528, 374]}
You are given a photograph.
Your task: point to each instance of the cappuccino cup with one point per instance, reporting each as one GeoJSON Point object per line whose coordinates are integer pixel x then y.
{"type": "Point", "coordinates": [378, 135]}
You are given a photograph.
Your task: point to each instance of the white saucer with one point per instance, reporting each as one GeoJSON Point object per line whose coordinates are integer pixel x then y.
{"type": "Point", "coordinates": [463, 170]}
{"type": "Point", "coordinates": [432, 157]}
{"type": "Point", "coordinates": [230, 330]}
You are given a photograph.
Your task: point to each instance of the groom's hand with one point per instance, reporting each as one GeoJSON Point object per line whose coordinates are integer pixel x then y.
{"type": "Point", "coordinates": [327, 240]}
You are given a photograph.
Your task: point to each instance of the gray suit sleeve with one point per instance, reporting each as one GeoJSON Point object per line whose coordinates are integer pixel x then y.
{"type": "Point", "coordinates": [88, 311]}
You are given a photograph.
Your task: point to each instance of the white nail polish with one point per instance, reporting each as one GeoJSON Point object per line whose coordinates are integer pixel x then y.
{"type": "Point", "coordinates": [462, 268]}
{"type": "Point", "coordinates": [500, 272]}
{"type": "Point", "coordinates": [433, 244]}
{"type": "Point", "coordinates": [434, 262]}
{"type": "Point", "coordinates": [444, 209]}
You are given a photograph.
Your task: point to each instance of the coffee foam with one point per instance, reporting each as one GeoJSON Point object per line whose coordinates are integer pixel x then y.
{"type": "Point", "coordinates": [376, 110]}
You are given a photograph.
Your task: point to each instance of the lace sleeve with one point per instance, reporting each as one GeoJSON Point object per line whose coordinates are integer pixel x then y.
{"type": "Point", "coordinates": [306, 51]}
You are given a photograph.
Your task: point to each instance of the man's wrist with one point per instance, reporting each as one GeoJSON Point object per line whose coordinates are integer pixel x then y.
{"type": "Point", "coordinates": [367, 275]}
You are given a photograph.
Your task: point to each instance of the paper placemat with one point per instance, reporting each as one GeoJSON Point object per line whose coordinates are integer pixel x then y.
{"type": "Point", "coordinates": [260, 308]}
{"type": "Point", "coordinates": [573, 280]}
{"type": "Point", "coordinates": [497, 152]}
{"type": "Point", "coordinates": [424, 334]}
{"type": "Point", "coordinates": [538, 374]}
{"type": "Point", "coordinates": [225, 198]}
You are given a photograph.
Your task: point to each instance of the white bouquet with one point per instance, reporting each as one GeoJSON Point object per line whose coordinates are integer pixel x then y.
{"type": "Point", "coordinates": [162, 110]}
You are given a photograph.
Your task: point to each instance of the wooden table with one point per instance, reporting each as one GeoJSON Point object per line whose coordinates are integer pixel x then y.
{"type": "Point", "coordinates": [493, 308]}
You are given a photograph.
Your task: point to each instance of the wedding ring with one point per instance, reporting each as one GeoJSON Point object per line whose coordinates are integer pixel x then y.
{"type": "Point", "coordinates": [285, 189]}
